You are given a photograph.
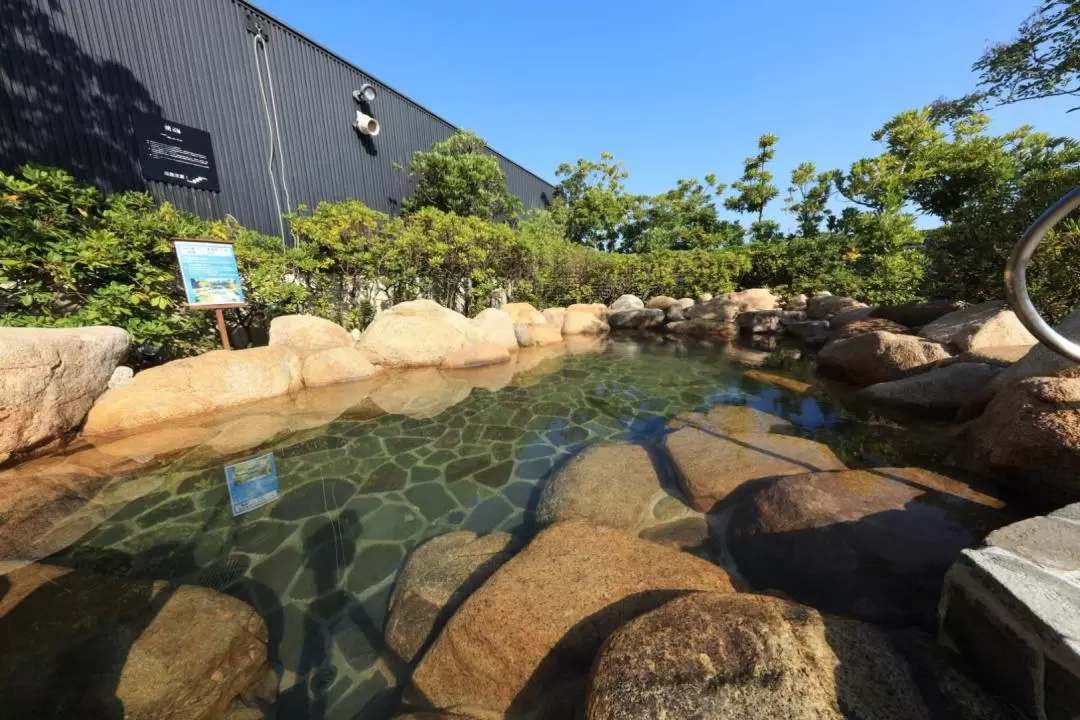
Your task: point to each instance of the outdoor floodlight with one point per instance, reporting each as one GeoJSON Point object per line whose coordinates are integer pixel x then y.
{"type": "Point", "coordinates": [366, 93]}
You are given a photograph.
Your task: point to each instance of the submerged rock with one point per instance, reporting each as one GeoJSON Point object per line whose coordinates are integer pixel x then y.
{"type": "Point", "coordinates": [714, 463]}
{"type": "Point", "coordinates": [872, 544]}
{"type": "Point", "coordinates": [937, 393]}
{"type": "Point", "coordinates": [184, 388]}
{"type": "Point", "coordinates": [729, 419]}
{"type": "Point", "coordinates": [524, 641]}
{"type": "Point", "coordinates": [711, 655]}
{"type": "Point", "coordinates": [879, 356]}
{"type": "Point", "coordinates": [437, 578]}
{"type": "Point", "coordinates": [611, 484]}
{"type": "Point", "coordinates": [308, 334]}
{"type": "Point", "coordinates": [49, 378]}
{"type": "Point", "coordinates": [78, 644]}
{"type": "Point", "coordinates": [420, 393]}
{"type": "Point", "coordinates": [984, 325]}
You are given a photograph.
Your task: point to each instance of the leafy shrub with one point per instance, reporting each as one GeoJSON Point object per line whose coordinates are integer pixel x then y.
{"type": "Point", "coordinates": [70, 256]}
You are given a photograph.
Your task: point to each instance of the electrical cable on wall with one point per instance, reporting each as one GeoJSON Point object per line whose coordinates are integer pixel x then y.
{"type": "Point", "coordinates": [273, 128]}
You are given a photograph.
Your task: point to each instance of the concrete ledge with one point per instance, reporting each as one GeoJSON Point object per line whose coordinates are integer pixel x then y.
{"type": "Point", "coordinates": [1012, 609]}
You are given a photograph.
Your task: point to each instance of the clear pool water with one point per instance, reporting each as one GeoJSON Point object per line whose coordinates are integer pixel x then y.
{"type": "Point", "coordinates": [358, 495]}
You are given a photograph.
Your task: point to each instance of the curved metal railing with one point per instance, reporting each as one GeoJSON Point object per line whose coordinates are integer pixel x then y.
{"type": "Point", "coordinates": [1016, 278]}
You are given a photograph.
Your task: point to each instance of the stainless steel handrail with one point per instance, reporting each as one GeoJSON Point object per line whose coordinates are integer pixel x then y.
{"type": "Point", "coordinates": [1016, 277]}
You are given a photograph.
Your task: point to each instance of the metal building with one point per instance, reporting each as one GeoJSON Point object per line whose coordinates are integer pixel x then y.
{"type": "Point", "coordinates": [81, 81]}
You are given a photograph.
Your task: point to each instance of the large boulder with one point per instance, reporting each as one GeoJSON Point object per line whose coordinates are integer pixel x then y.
{"type": "Point", "coordinates": [626, 302]}
{"type": "Point", "coordinates": [701, 328]}
{"type": "Point", "coordinates": [1029, 437]}
{"type": "Point", "coordinates": [753, 299]}
{"type": "Point", "coordinates": [414, 334]}
{"type": "Point", "coordinates": [635, 319]}
{"type": "Point", "coordinates": [675, 313]}
{"type": "Point", "coordinates": [1039, 361]}
{"type": "Point", "coordinates": [825, 307]}
{"type": "Point", "coordinates": [535, 335]}
{"type": "Point", "coordinates": [840, 320]}
{"type": "Point", "coordinates": [335, 365]}
{"type": "Point", "coordinates": [916, 314]}
{"type": "Point", "coordinates": [710, 655]}
{"type": "Point", "coordinates": [661, 302]}
{"type": "Point", "coordinates": [873, 544]}
{"type": "Point", "coordinates": [812, 332]}
{"type": "Point", "coordinates": [554, 316]}
{"type": "Point", "coordinates": [525, 639]}
{"type": "Point", "coordinates": [984, 325]}
{"type": "Point", "coordinates": [192, 386]}
{"type": "Point", "coordinates": [865, 326]}
{"type": "Point", "coordinates": [713, 463]}
{"type": "Point", "coordinates": [717, 310]}
{"type": "Point", "coordinates": [597, 309]}
{"type": "Point", "coordinates": [494, 327]}
{"type": "Point", "coordinates": [524, 314]}
{"type": "Point", "coordinates": [308, 334]}
{"type": "Point", "coordinates": [611, 484]}
{"type": "Point", "coordinates": [438, 577]}
{"type": "Point", "coordinates": [796, 303]}
{"type": "Point", "coordinates": [477, 355]}
{"type": "Point", "coordinates": [879, 356]}
{"type": "Point", "coordinates": [583, 323]}
{"type": "Point", "coordinates": [760, 321]}
{"type": "Point", "coordinates": [686, 303]}
{"type": "Point", "coordinates": [78, 644]}
{"type": "Point", "coordinates": [937, 393]}
{"type": "Point", "coordinates": [50, 378]}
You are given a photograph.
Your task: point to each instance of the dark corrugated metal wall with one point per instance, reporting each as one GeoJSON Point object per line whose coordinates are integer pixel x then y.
{"type": "Point", "coordinates": [73, 72]}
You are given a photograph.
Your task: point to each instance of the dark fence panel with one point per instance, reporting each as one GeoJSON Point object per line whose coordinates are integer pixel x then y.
{"type": "Point", "coordinates": [73, 73]}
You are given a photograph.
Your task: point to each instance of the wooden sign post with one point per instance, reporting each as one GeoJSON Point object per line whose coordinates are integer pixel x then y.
{"type": "Point", "coordinates": [211, 278]}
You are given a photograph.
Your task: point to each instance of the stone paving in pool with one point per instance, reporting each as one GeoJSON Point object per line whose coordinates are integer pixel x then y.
{"type": "Point", "coordinates": [319, 563]}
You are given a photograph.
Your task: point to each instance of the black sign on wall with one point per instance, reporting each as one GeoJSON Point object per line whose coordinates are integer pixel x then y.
{"type": "Point", "coordinates": [174, 153]}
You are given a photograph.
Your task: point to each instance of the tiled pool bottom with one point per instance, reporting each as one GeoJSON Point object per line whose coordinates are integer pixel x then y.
{"type": "Point", "coordinates": [319, 563]}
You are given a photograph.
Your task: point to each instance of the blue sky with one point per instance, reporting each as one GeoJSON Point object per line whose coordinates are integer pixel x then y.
{"type": "Point", "coordinates": [675, 89]}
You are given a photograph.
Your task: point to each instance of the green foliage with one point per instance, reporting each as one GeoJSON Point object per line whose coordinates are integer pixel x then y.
{"type": "Point", "coordinates": [71, 257]}
{"type": "Point", "coordinates": [458, 175]}
{"type": "Point", "coordinates": [808, 197]}
{"type": "Point", "coordinates": [755, 188]}
{"type": "Point", "coordinates": [592, 202]}
{"type": "Point", "coordinates": [683, 218]}
{"type": "Point", "coordinates": [1043, 61]}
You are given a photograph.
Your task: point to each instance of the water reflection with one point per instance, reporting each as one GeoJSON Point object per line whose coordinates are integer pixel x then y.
{"type": "Point", "coordinates": [363, 473]}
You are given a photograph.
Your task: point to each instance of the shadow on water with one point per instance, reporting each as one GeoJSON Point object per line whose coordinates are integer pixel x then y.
{"type": "Point", "coordinates": [77, 111]}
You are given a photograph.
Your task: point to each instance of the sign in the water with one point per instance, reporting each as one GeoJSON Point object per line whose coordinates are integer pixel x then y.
{"type": "Point", "coordinates": [252, 483]}
{"type": "Point", "coordinates": [209, 272]}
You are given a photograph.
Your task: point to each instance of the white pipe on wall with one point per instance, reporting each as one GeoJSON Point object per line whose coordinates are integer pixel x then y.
{"type": "Point", "coordinates": [366, 124]}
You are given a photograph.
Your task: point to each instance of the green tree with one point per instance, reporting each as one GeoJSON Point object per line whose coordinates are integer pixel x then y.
{"type": "Point", "coordinates": [592, 201]}
{"type": "Point", "coordinates": [755, 188]}
{"type": "Point", "coordinates": [683, 218]}
{"type": "Point", "coordinates": [459, 175]}
{"type": "Point", "coordinates": [1043, 61]}
{"type": "Point", "coordinates": [808, 197]}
